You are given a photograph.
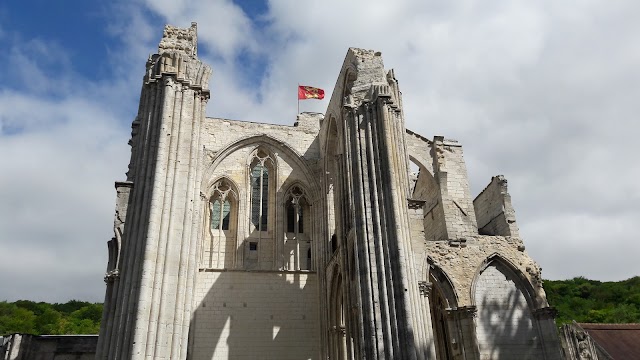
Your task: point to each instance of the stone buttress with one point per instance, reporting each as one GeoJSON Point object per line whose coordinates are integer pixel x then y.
{"type": "Point", "coordinates": [373, 231]}
{"type": "Point", "coordinates": [148, 301]}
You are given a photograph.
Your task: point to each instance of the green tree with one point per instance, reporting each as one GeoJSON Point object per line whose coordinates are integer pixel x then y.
{"type": "Point", "coordinates": [14, 319]}
{"type": "Point", "coordinates": [585, 300]}
{"type": "Point", "coordinates": [49, 322]}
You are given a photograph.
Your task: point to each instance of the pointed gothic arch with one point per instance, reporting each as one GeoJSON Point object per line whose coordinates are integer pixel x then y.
{"type": "Point", "coordinates": [262, 183]}
{"type": "Point", "coordinates": [334, 172]}
{"type": "Point", "coordinates": [219, 245]}
{"type": "Point", "coordinates": [298, 228]}
{"type": "Point", "coordinates": [442, 300]}
{"type": "Point", "coordinates": [514, 273]}
{"type": "Point", "coordinates": [505, 300]}
{"type": "Point", "coordinates": [337, 316]}
{"type": "Point", "coordinates": [268, 142]}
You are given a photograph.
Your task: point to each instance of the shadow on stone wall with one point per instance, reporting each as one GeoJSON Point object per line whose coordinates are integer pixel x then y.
{"type": "Point", "coordinates": [509, 330]}
{"type": "Point", "coordinates": [256, 315]}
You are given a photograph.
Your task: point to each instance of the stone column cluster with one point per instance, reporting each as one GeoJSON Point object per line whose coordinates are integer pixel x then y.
{"type": "Point", "coordinates": [376, 160]}
{"type": "Point", "coordinates": [157, 257]}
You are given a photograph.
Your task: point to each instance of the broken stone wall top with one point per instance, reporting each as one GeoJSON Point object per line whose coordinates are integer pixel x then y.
{"type": "Point", "coordinates": [182, 40]}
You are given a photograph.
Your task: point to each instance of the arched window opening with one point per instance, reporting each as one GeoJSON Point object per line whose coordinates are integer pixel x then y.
{"type": "Point", "coordinates": [220, 206]}
{"type": "Point", "coordinates": [440, 320]}
{"type": "Point", "coordinates": [220, 252]}
{"type": "Point", "coordinates": [500, 293]}
{"type": "Point", "coordinates": [220, 214]}
{"type": "Point", "coordinates": [296, 206]}
{"type": "Point", "coordinates": [260, 191]}
{"type": "Point", "coordinates": [337, 324]}
{"type": "Point", "coordinates": [259, 197]}
{"type": "Point", "coordinates": [297, 242]}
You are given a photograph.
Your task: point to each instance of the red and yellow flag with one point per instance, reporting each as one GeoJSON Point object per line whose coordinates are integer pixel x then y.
{"type": "Point", "coordinates": [308, 92]}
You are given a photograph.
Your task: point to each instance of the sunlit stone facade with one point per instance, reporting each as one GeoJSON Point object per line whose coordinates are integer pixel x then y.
{"type": "Point", "coordinates": [342, 236]}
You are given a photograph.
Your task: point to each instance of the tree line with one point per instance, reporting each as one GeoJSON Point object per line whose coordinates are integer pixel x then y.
{"type": "Point", "coordinates": [578, 299]}
{"type": "Point", "coordinates": [40, 318]}
{"type": "Point", "coordinates": [592, 301]}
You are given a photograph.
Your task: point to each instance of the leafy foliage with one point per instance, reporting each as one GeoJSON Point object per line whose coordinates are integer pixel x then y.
{"type": "Point", "coordinates": [593, 301]}
{"type": "Point", "coordinates": [38, 318]}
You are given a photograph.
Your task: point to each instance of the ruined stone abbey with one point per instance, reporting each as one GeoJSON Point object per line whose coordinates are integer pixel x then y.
{"type": "Point", "coordinates": [318, 240]}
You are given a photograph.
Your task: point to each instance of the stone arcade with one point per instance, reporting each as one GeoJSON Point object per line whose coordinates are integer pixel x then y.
{"type": "Point", "coordinates": [240, 240]}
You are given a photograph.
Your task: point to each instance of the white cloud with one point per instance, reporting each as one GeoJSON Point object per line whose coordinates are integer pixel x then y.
{"type": "Point", "coordinates": [57, 194]}
{"type": "Point", "coordinates": [545, 93]}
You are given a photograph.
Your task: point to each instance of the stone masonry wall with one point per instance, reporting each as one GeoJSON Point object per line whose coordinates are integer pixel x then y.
{"type": "Point", "coordinates": [451, 175]}
{"type": "Point", "coordinates": [48, 347]}
{"type": "Point", "coordinates": [221, 132]}
{"type": "Point", "coordinates": [434, 222]}
{"type": "Point", "coordinates": [494, 211]}
{"type": "Point", "coordinates": [461, 261]}
{"type": "Point", "coordinates": [505, 328]}
{"type": "Point", "coordinates": [255, 315]}
{"type": "Point", "coordinates": [419, 150]}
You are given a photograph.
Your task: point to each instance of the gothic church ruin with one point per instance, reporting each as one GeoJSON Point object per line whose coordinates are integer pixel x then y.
{"type": "Point", "coordinates": [241, 240]}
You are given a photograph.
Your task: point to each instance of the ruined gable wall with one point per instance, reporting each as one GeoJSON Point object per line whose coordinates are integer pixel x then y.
{"type": "Point", "coordinates": [219, 133]}
{"type": "Point", "coordinates": [461, 261]}
{"type": "Point", "coordinates": [264, 312]}
{"type": "Point", "coordinates": [494, 211]}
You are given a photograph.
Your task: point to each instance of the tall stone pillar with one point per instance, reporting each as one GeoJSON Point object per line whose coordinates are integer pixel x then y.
{"type": "Point", "coordinates": [545, 318]}
{"type": "Point", "coordinates": [157, 264]}
{"type": "Point", "coordinates": [462, 328]}
{"type": "Point", "coordinates": [425, 313]}
{"type": "Point", "coordinates": [376, 161]}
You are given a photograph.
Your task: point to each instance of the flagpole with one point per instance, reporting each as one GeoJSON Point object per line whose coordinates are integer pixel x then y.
{"type": "Point", "coordinates": [298, 97]}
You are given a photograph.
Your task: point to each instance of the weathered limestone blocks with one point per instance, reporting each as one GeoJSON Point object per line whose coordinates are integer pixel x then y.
{"type": "Point", "coordinates": [451, 175]}
{"type": "Point", "coordinates": [180, 40]}
{"type": "Point", "coordinates": [442, 184]}
{"type": "Point", "coordinates": [463, 260]}
{"type": "Point", "coordinates": [309, 122]}
{"type": "Point", "coordinates": [218, 134]}
{"type": "Point", "coordinates": [255, 315]}
{"type": "Point", "coordinates": [123, 190]}
{"type": "Point", "coordinates": [494, 211]}
{"type": "Point", "coordinates": [360, 70]}
{"type": "Point", "coordinates": [419, 150]}
{"type": "Point", "coordinates": [178, 56]}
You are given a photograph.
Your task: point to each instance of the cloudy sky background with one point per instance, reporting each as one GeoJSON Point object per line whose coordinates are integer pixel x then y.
{"type": "Point", "coordinates": [546, 93]}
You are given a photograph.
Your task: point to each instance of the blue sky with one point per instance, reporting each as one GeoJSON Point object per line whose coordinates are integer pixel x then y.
{"type": "Point", "coordinates": [542, 92]}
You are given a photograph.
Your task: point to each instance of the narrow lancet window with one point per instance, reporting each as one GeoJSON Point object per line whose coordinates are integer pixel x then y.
{"type": "Point", "coordinates": [259, 197]}
{"type": "Point", "coordinates": [220, 245]}
{"type": "Point", "coordinates": [297, 243]}
{"type": "Point", "coordinates": [295, 213]}
{"type": "Point", "coordinates": [220, 214]}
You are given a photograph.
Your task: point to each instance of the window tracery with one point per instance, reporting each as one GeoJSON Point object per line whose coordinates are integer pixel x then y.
{"type": "Point", "coordinates": [260, 190]}
{"type": "Point", "coordinates": [220, 244]}
{"type": "Point", "coordinates": [220, 206]}
{"type": "Point", "coordinates": [296, 204]}
{"type": "Point", "coordinates": [298, 242]}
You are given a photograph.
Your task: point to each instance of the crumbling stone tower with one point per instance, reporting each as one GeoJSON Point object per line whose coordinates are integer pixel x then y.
{"type": "Point", "coordinates": [150, 285]}
{"type": "Point", "coordinates": [313, 241]}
